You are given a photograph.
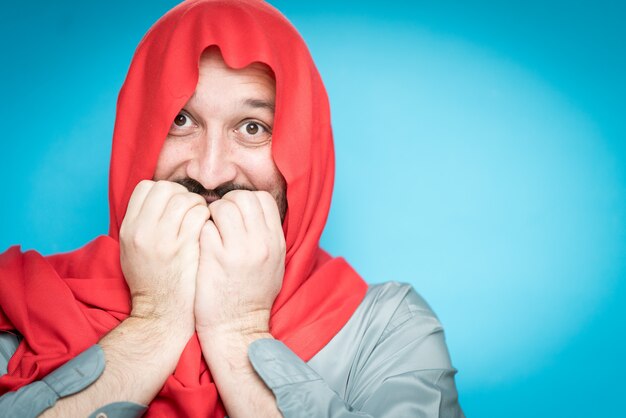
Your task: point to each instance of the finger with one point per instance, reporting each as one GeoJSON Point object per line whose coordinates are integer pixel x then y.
{"type": "Point", "coordinates": [193, 222]}
{"type": "Point", "coordinates": [228, 220]}
{"type": "Point", "coordinates": [176, 208]}
{"type": "Point", "coordinates": [272, 219]}
{"type": "Point", "coordinates": [270, 211]}
{"type": "Point", "coordinates": [137, 198]}
{"type": "Point", "coordinates": [210, 240]}
{"type": "Point", "coordinates": [155, 202]}
{"type": "Point", "coordinates": [250, 208]}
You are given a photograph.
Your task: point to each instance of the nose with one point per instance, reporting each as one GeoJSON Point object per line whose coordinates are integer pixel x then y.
{"type": "Point", "coordinates": [212, 164]}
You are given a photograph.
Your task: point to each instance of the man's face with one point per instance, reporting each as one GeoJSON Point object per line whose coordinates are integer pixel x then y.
{"type": "Point", "coordinates": [221, 140]}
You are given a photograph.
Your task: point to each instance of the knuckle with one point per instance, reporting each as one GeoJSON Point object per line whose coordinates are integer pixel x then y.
{"type": "Point", "coordinates": [161, 185]}
{"type": "Point", "coordinates": [198, 214]}
{"type": "Point", "coordinates": [178, 201]}
{"type": "Point", "coordinates": [144, 184]}
{"type": "Point", "coordinates": [231, 197]}
{"type": "Point", "coordinates": [240, 196]}
{"type": "Point", "coordinates": [206, 230]}
{"type": "Point", "coordinates": [263, 253]}
{"type": "Point", "coordinates": [166, 186]}
{"type": "Point", "coordinates": [142, 187]}
{"type": "Point", "coordinates": [194, 197]}
{"type": "Point", "coordinates": [214, 207]}
{"type": "Point", "coordinates": [234, 193]}
{"type": "Point", "coordinates": [183, 201]}
{"type": "Point", "coordinates": [177, 187]}
{"type": "Point", "coordinates": [123, 231]}
{"type": "Point", "coordinates": [129, 235]}
{"type": "Point", "coordinates": [266, 199]}
{"type": "Point", "coordinates": [259, 254]}
{"type": "Point", "coordinates": [264, 194]}
{"type": "Point", "coordinates": [200, 210]}
{"type": "Point", "coordinates": [136, 241]}
{"type": "Point", "coordinates": [220, 206]}
{"type": "Point", "coordinates": [237, 193]}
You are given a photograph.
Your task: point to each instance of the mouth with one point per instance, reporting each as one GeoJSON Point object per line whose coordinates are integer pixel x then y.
{"type": "Point", "coordinates": [210, 197]}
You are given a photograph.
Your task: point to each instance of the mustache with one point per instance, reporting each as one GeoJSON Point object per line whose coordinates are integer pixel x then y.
{"type": "Point", "coordinates": [211, 194]}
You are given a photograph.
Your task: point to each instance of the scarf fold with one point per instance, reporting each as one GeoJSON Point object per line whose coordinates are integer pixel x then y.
{"type": "Point", "coordinates": [63, 304]}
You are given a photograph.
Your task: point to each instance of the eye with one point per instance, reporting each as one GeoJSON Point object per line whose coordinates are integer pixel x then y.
{"type": "Point", "coordinates": [182, 124]}
{"type": "Point", "coordinates": [253, 128]}
{"type": "Point", "coordinates": [180, 120]}
{"type": "Point", "coordinates": [253, 131]}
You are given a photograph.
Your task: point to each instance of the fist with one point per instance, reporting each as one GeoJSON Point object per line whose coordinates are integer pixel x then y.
{"type": "Point", "coordinates": [159, 249]}
{"type": "Point", "coordinates": [242, 263]}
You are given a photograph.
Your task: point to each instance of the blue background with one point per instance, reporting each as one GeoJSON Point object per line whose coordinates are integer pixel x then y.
{"type": "Point", "coordinates": [481, 156]}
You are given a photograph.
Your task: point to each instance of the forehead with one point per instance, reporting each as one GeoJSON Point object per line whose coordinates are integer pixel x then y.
{"type": "Point", "coordinates": [223, 91]}
{"type": "Point", "coordinates": [213, 69]}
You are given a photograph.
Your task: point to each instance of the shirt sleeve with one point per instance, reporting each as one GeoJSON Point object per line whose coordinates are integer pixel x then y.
{"type": "Point", "coordinates": [8, 345]}
{"type": "Point", "coordinates": [298, 388]}
{"type": "Point", "coordinates": [404, 373]}
{"type": "Point", "coordinates": [74, 376]}
{"type": "Point", "coordinates": [295, 385]}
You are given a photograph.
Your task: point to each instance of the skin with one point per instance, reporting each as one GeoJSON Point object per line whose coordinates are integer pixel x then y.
{"type": "Point", "coordinates": [210, 141]}
{"type": "Point", "coordinates": [222, 137]}
{"type": "Point", "coordinates": [210, 261]}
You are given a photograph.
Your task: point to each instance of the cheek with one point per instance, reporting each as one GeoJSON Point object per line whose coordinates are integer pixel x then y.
{"type": "Point", "coordinates": [261, 170]}
{"type": "Point", "coordinates": [171, 161]}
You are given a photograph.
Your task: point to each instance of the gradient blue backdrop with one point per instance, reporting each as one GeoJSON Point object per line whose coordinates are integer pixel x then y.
{"type": "Point", "coordinates": [481, 156]}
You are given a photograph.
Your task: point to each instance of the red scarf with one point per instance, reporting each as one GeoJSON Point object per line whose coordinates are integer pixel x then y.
{"type": "Point", "coordinates": [65, 303]}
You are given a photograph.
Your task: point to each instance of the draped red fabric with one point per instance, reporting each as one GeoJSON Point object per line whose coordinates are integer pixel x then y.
{"type": "Point", "coordinates": [65, 303]}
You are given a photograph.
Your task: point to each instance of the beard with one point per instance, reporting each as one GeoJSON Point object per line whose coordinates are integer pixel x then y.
{"type": "Point", "coordinates": [211, 195]}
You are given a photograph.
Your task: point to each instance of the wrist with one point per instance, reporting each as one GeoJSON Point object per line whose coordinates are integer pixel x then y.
{"type": "Point", "coordinates": [230, 350]}
{"type": "Point", "coordinates": [156, 307]}
{"type": "Point", "coordinates": [229, 341]}
{"type": "Point", "coordinates": [251, 323]}
{"type": "Point", "coordinates": [162, 318]}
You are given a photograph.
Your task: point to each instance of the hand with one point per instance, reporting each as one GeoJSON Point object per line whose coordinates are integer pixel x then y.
{"type": "Point", "coordinates": [159, 250]}
{"type": "Point", "coordinates": [242, 263]}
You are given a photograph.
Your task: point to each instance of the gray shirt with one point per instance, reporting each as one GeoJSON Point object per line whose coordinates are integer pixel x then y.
{"type": "Point", "coordinates": [389, 360]}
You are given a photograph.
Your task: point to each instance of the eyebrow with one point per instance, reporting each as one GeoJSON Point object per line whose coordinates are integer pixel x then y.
{"type": "Point", "coordinates": [259, 104]}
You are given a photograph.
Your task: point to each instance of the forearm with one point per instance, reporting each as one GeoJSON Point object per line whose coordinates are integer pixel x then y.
{"type": "Point", "coordinates": [240, 273]}
{"type": "Point", "coordinates": [140, 354]}
{"type": "Point", "coordinates": [241, 389]}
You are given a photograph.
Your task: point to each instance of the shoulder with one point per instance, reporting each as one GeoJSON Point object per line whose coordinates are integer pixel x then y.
{"type": "Point", "coordinates": [390, 293]}
{"type": "Point", "coordinates": [395, 305]}
{"type": "Point", "coordinates": [392, 321]}
{"type": "Point", "coordinates": [393, 339]}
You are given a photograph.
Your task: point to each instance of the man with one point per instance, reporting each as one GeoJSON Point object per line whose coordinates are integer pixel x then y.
{"type": "Point", "coordinates": [210, 295]}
